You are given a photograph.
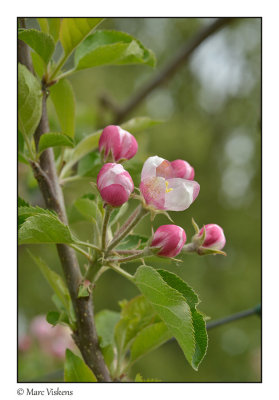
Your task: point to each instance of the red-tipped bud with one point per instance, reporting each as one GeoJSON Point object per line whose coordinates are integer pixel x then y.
{"type": "Point", "coordinates": [120, 144]}
{"type": "Point", "coordinates": [169, 239]}
{"type": "Point", "coordinates": [114, 184]}
{"type": "Point", "coordinates": [214, 237]}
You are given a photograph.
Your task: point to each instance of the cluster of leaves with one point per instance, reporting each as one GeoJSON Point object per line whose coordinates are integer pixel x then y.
{"type": "Point", "coordinates": [168, 306]}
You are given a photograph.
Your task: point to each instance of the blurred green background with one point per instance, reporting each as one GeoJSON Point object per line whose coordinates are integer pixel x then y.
{"type": "Point", "coordinates": [212, 117]}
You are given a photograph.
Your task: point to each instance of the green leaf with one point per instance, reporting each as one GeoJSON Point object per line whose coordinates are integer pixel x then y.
{"type": "Point", "coordinates": [21, 202]}
{"type": "Point", "coordinates": [27, 211]}
{"type": "Point", "coordinates": [75, 369]}
{"type": "Point", "coordinates": [57, 284]}
{"type": "Point", "coordinates": [74, 30]}
{"type": "Point", "coordinates": [105, 322]}
{"type": "Point", "coordinates": [43, 24]}
{"type": "Point", "coordinates": [52, 317]}
{"type": "Point", "coordinates": [170, 306]}
{"type": "Point", "coordinates": [38, 64]}
{"type": "Point", "coordinates": [87, 208]}
{"type": "Point", "coordinates": [111, 48]}
{"type": "Point", "coordinates": [29, 101]}
{"type": "Point", "coordinates": [132, 242]}
{"type": "Point", "coordinates": [63, 98]}
{"type": "Point", "coordinates": [135, 316]}
{"type": "Point", "coordinates": [90, 165]}
{"type": "Point", "coordinates": [54, 139]}
{"type": "Point", "coordinates": [198, 318]}
{"type": "Point", "coordinates": [83, 291]}
{"type": "Point", "coordinates": [40, 42]}
{"type": "Point", "coordinates": [139, 124]}
{"type": "Point", "coordinates": [54, 27]}
{"type": "Point", "coordinates": [149, 339]}
{"type": "Point", "coordinates": [84, 147]}
{"type": "Point", "coordinates": [44, 228]}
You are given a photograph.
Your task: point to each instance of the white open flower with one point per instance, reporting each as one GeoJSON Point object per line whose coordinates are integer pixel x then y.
{"type": "Point", "coordinates": [163, 186]}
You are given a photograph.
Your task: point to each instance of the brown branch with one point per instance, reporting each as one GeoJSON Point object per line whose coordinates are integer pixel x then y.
{"type": "Point", "coordinates": [167, 71]}
{"type": "Point", "coordinates": [85, 335]}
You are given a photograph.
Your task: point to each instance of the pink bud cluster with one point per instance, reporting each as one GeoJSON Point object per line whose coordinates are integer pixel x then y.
{"type": "Point", "coordinates": [165, 185]}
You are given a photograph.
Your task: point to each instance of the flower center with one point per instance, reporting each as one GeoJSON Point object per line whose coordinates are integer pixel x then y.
{"type": "Point", "coordinates": [167, 187]}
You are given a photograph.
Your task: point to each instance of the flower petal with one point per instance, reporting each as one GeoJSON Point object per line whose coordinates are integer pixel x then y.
{"type": "Point", "coordinates": [115, 195]}
{"type": "Point", "coordinates": [150, 166]}
{"type": "Point", "coordinates": [154, 191]}
{"type": "Point", "coordinates": [182, 195]}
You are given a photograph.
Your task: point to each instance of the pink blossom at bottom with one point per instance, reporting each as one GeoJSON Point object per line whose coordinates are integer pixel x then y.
{"type": "Point", "coordinates": [170, 239]}
{"type": "Point", "coordinates": [53, 340]}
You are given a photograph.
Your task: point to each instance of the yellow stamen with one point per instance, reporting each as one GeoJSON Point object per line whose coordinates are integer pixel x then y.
{"type": "Point", "coordinates": [167, 187]}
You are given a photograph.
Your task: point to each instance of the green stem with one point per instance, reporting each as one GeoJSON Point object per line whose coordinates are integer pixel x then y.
{"type": "Point", "coordinates": [79, 250]}
{"type": "Point", "coordinates": [61, 162]}
{"type": "Point", "coordinates": [137, 256]}
{"type": "Point", "coordinates": [74, 179]}
{"type": "Point", "coordinates": [108, 210]}
{"type": "Point", "coordinates": [88, 245]}
{"type": "Point", "coordinates": [189, 248]}
{"type": "Point", "coordinates": [28, 143]}
{"type": "Point", "coordinates": [129, 252]}
{"type": "Point", "coordinates": [132, 221]}
{"type": "Point", "coordinates": [122, 272]}
{"type": "Point", "coordinates": [64, 74]}
{"type": "Point", "coordinates": [93, 269]}
{"type": "Point", "coordinates": [58, 67]}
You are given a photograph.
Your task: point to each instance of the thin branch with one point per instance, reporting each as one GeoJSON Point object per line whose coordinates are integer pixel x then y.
{"type": "Point", "coordinates": [167, 72]}
{"type": "Point", "coordinates": [234, 317]}
{"type": "Point", "coordinates": [132, 221]}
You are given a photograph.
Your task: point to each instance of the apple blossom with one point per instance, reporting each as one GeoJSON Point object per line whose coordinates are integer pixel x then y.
{"type": "Point", "coordinates": [214, 237]}
{"type": "Point", "coordinates": [118, 143]}
{"type": "Point", "coordinates": [170, 239]}
{"type": "Point", "coordinates": [168, 185]}
{"type": "Point", "coordinates": [114, 184]}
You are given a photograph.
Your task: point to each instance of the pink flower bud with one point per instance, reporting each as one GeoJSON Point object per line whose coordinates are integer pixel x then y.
{"type": "Point", "coordinates": [114, 184]}
{"type": "Point", "coordinates": [214, 237]}
{"type": "Point", "coordinates": [170, 239]}
{"type": "Point", "coordinates": [182, 169]}
{"type": "Point", "coordinates": [117, 142]}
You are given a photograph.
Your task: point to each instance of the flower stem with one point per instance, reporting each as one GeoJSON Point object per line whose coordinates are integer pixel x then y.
{"type": "Point", "coordinates": [79, 250]}
{"type": "Point", "coordinates": [122, 272]}
{"type": "Point", "coordinates": [131, 222]}
{"type": "Point", "coordinates": [127, 259]}
{"type": "Point", "coordinates": [108, 210]}
{"type": "Point", "coordinates": [189, 248]}
{"type": "Point", "coordinates": [87, 244]}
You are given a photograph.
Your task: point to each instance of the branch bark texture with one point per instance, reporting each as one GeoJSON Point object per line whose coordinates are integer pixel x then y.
{"type": "Point", "coordinates": [85, 334]}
